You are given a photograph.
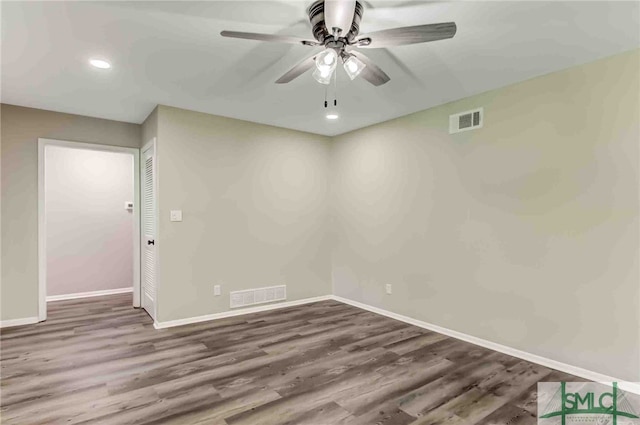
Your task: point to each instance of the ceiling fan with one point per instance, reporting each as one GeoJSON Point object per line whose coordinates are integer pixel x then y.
{"type": "Point", "coordinates": [336, 26]}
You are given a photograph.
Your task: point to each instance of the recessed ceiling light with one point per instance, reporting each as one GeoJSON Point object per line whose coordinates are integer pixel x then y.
{"type": "Point", "coordinates": [99, 63]}
{"type": "Point", "coordinates": [332, 116]}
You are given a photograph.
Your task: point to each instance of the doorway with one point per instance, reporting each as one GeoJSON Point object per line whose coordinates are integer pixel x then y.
{"type": "Point", "coordinates": [89, 221]}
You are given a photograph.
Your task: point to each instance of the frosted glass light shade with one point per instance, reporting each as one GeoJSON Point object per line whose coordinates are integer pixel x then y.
{"type": "Point", "coordinates": [353, 66]}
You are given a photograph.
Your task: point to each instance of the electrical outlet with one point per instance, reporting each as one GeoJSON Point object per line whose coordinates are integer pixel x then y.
{"type": "Point", "coordinates": [387, 288]}
{"type": "Point", "coordinates": [216, 290]}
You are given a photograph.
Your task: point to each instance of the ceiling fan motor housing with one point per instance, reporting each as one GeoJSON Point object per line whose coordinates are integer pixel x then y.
{"type": "Point", "coordinates": [319, 28]}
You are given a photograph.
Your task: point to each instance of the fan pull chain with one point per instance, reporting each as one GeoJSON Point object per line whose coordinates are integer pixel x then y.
{"type": "Point", "coordinates": [325, 96]}
{"type": "Point", "coordinates": [335, 88]}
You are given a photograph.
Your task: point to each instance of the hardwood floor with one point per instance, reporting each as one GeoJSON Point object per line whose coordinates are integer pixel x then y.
{"type": "Point", "coordinates": [99, 361]}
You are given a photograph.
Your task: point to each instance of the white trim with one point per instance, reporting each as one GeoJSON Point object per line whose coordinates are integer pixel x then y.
{"type": "Point", "coordinates": [18, 322]}
{"type": "Point", "coordinates": [553, 364]}
{"type": "Point", "coordinates": [239, 312]}
{"type": "Point", "coordinates": [42, 238]}
{"type": "Point", "coordinates": [136, 229]}
{"type": "Point", "coordinates": [89, 294]}
{"type": "Point", "coordinates": [543, 361]}
{"type": "Point", "coordinates": [42, 229]}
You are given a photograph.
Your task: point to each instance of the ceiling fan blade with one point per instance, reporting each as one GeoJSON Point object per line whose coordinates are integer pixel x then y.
{"type": "Point", "coordinates": [400, 64]}
{"type": "Point", "coordinates": [297, 70]}
{"type": "Point", "coordinates": [371, 72]}
{"type": "Point", "coordinates": [339, 14]}
{"type": "Point", "coordinates": [407, 35]}
{"type": "Point", "coordinates": [269, 37]}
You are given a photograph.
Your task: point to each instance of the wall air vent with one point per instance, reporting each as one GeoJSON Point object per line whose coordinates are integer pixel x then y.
{"type": "Point", "coordinates": [465, 121]}
{"type": "Point", "coordinates": [258, 296]}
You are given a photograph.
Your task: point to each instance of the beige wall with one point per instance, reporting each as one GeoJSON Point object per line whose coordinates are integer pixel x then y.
{"type": "Point", "coordinates": [524, 232]}
{"type": "Point", "coordinates": [21, 128]}
{"type": "Point", "coordinates": [89, 230]}
{"type": "Point", "coordinates": [254, 203]}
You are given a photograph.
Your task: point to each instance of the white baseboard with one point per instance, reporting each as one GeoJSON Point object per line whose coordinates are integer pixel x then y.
{"type": "Point", "coordinates": [89, 294]}
{"type": "Point", "coordinates": [633, 387]}
{"type": "Point", "coordinates": [543, 361]}
{"type": "Point", "coordinates": [238, 312]}
{"type": "Point", "coordinates": [18, 322]}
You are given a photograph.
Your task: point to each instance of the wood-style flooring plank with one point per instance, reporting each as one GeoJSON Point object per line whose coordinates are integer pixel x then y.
{"type": "Point", "coordinates": [100, 361]}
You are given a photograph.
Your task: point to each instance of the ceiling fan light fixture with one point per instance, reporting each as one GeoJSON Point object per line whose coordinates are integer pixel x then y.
{"type": "Point", "coordinates": [336, 27]}
{"type": "Point", "coordinates": [353, 66]}
{"type": "Point", "coordinates": [323, 75]}
{"type": "Point", "coordinates": [325, 65]}
{"type": "Point", "coordinates": [327, 58]}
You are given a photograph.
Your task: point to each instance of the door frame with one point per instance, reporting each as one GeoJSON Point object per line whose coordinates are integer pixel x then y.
{"type": "Point", "coordinates": [150, 144]}
{"type": "Point", "coordinates": [42, 222]}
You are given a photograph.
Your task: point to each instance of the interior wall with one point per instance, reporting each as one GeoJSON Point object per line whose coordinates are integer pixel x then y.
{"type": "Point", "coordinates": [254, 202]}
{"type": "Point", "coordinates": [524, 232]}
{"type": "Point", "coordinates": [89, 230]}
{"type": "Point", "coordinates": [21, 128]}
{"type": "Point", "coordinates": [150, 127]}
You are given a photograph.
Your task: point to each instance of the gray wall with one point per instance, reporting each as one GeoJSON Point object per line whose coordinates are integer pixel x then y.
{"type": "Point", "coordinates": [254, 200]}
{"type": "Point", "coordinates": [524, 232]}
{"type": "Point", "coordinates": [21, 128]}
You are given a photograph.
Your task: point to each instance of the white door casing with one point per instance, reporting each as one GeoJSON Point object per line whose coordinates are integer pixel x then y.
{"type": "Point", "coordinates": [42, 222]}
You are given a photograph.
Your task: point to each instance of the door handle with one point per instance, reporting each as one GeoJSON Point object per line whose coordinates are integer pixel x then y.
{"type": "Point", "coordinates": [151, 242]}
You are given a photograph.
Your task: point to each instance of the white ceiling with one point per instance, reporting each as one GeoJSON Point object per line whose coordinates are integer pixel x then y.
{"type": "Point", "coordinates": [171, 53]}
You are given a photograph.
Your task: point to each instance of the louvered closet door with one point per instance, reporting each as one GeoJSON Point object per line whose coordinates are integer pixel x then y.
{"type": "Point", "coordinates": [149, 230]}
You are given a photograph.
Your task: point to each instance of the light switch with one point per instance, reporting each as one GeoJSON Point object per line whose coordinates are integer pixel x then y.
{"type": "Point", "coordinates": [128, 205]}
{"type": "Point", "coordinates": [176, 215]}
